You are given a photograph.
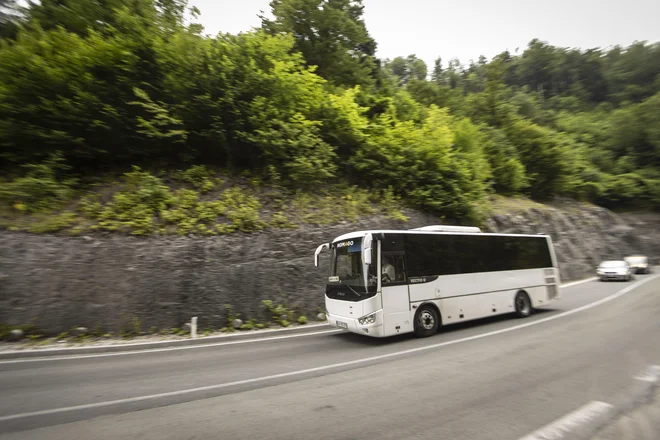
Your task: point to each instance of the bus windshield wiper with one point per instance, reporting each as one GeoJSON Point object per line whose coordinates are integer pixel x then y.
{"type": "Point", "coordinates": [354, 291]}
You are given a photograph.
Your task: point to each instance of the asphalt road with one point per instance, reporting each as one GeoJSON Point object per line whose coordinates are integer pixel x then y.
{"type": "Point", "coordinates": [643, 423]}
{"type": "Point", "coordinates": [491, 379]}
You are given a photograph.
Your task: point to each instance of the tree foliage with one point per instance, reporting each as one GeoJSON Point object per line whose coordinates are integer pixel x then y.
{"type": "Point", "coordinates": [303, 101]}
{"type": "Point", "coordinates": [330, 34]}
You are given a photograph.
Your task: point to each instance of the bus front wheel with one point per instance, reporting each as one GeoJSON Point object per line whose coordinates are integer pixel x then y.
{"type": "Point", "coordinates": [427, 321]}
{"type": "Point", "coordinates": [523, 305]}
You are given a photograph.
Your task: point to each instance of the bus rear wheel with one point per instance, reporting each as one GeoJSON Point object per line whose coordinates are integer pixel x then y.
{"type": "Point", "coordinates": [522, 304]}
{"type": "Point", "coordinates": [427, 321]}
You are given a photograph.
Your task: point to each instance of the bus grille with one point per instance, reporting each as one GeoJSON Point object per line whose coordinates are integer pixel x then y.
{"type": "Point", "coordinates": [552, 291]}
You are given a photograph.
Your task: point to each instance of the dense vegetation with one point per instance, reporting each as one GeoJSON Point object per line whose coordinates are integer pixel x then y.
{"type": "Point", "coordinates": [92, 88]}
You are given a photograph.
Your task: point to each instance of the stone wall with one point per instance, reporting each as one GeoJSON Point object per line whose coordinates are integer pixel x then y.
{"type": "Point", "coordinates": [109, 280]}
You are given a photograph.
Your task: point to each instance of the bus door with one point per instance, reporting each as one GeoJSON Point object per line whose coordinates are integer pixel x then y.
{"type": "Point", "coordinates": [396, 298]}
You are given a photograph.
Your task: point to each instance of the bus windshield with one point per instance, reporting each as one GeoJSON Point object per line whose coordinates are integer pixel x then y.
{"type": "Point", "coordinates": [347, 266]}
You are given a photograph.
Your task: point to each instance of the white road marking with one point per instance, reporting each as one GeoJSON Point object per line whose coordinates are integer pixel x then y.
{"type": "Point", "coordinates": [265, 332]}
{"type": "Point", "coordinates": [652, 374]}
{"type": "Point", "coordinates": [189, 347]}
{"type": "Point", "coordinates": [326, 367]}
{"type": "Point", "coordinates": [158, 350]}
{"type": "Point", "coordinates": [562, 428]}
{"type": "Point", "coordinates": [575, 283]}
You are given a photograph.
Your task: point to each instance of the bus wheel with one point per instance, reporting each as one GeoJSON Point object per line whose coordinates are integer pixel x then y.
{"type": "Point", "coordinates": [427, 321]}
{"type": "Point", "coordinates": [523, 305]}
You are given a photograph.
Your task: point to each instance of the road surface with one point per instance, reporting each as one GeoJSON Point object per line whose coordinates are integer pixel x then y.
{"type": "Point", "coordinates": [500, 378]}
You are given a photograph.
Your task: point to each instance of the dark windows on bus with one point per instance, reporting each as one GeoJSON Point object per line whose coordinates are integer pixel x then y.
{"type": "Point", "coordinates": [421, 255]}
{"type": "Point", "coordinates": [393, 269]}
{"type": "Point", "coordinates": [392, 243]}
{"type": "Point", "coordinates": [455, 254]}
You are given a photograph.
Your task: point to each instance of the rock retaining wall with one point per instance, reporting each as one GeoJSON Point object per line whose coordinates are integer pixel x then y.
{"type": "Point", "coordinates": [107, 281]}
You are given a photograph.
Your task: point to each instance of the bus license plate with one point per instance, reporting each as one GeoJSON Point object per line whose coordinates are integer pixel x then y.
{"type": "Point", "coordinates": [342, 324]}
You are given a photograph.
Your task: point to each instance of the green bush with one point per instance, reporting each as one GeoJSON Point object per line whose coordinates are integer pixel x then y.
{"type": "Point", "coordinates": [332, 206]}
{"type": "Point", "coordinates": [278, 311]}
{"type": "Point", "coordinates": [198, 176]}
{"type": "Point", "coordinates": [238, 209]}
{"type": "Point", "coordinates": [133, 208]}
{"type": "Point", "coordinates": [137, 325]}
{"type": "Point", "coordinates": [242, 210]}
{"type": "Point", "coordinates": [181, 212]}
{"type": "Point", "coordinates": [41, 189]}
{"type": "Point", "coordinates": [302, 320]}
{"type": "Point", "coordinates": [31, 331]}
{"type": "Point", "coordinates": [53, 223]}
{"type": "Point", "coordinates": [630, 190]}
{"type": "Point", "coordinates": [279, 220]}
{"type": "Point", "coordinates": [423, 164]}
{"type": "Point", "coordinates": [5, 332]}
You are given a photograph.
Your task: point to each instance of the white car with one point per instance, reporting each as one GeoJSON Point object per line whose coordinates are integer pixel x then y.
{"type": "Point", "coordinates": [614, 270]}
{"type": "Point", "coordinates": [638, 263]}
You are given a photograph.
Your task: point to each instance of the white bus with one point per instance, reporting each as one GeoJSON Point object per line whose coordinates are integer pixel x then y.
{"type": "Point", "coordinates": [433, 276]}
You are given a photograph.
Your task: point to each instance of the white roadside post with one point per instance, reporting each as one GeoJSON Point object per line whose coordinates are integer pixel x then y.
{"type": "Point", "coordinates": [193, 327]}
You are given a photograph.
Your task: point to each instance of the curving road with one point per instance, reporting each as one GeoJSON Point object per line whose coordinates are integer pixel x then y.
{"type": "Point", "coordinates": [500, 378]}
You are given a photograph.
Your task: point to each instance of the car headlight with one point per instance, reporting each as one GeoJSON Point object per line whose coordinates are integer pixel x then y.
{"type": "Point", "coordinates": [369, 319]}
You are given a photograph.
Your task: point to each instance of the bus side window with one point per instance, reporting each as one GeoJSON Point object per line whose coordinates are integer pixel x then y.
{"type": "Point", "coordinates": [399, 268]}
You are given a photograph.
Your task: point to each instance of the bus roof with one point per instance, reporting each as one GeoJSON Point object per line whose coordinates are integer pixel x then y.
{"type": "Point", "coordinates": [357, 234]}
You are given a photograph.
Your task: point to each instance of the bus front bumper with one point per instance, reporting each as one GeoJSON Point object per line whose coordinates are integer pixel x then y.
{"type": "Point", "coordinates": [353, 325]}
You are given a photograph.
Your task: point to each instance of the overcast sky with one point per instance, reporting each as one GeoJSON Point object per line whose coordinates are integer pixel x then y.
{"type": "Point", "coordinates": [469, 28]}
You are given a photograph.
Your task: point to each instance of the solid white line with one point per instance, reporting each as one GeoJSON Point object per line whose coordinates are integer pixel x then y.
{"type": "Point", "coordinates": [186, 347]}
{"type": "Point", "coordinates": [327, 367]}
{"type": "Point", "coordinates": [311, 327]}
{"type": "Point", "coordinates": [575, 283]}
{"type": "Point", "coordinates": [561, 428]}
{"type": "Point", "coordinates": [652, 374]}
{"type": "Point", "coordinates": [158, 350]}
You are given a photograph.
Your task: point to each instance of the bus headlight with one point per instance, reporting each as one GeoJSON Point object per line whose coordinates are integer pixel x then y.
{"type": "Point", "coordinates": [369, 319]}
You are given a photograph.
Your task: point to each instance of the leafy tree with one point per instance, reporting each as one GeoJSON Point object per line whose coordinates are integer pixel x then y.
{"type": "Point", "coordinates": [418, 68]}
{"type": "Point", "coordinates": [546, 157]}
{"type": "Point", "coordinates": [400, 69]}
{"type": "Point", "coordinates": [10, 15]}
{"type": "Point", "coordinates": [635, 130]}
{"type": "Point", "coordinates": [438, 73]}
{"type": "Point", "coordinates": [105, 84]}
{"type": "Point", "coordinates": [508, 173]}
{"type": "Point", "coordinates": [331, 35]}
{"type": "Point", "coordinates": [422, 164]}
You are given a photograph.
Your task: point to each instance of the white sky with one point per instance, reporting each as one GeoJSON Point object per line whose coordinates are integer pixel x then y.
{"type": "Point", "coordinates": [469, 28]}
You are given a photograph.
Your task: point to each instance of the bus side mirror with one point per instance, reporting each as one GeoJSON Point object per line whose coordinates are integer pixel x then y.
{"type": "Point", "coordinates": [366, 249]}
{"type": "Point", "coordinates": [318, 251]}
